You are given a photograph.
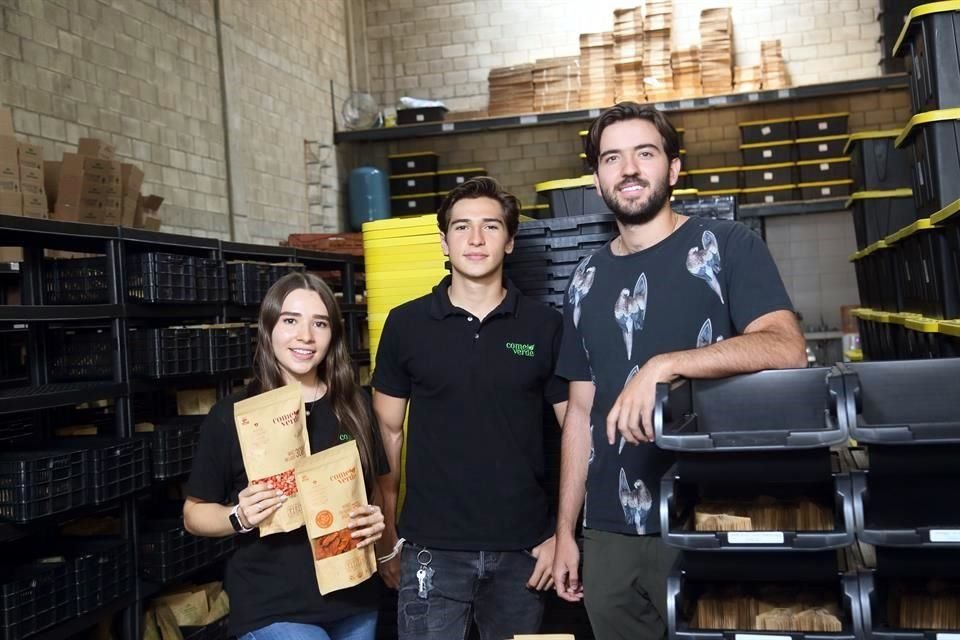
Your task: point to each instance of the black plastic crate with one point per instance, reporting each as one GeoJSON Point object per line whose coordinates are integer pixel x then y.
{"type": "Point", "coordinates": [116, 467]}
{"type": "Point", "coordinates": [413, 162]}
{"type": "Point", "coordinates": [828, 189]}
{"type": "Point", "coordinates": [696, 576]}
{"type": "Point", "coordinates": [421, 115]}
{"type": "Point", "coordinates": [770, 175]}
{"type": "Point", "coordinates": [538, 273]}
{"type": "Point", "coordinates": [420, 203]}
{"type": "Point", "coordinates": [878, 214]}
{"type": "Point", "coordinates": [933, 139]}
{"type": "Point", "coordinates": [212, 285]}
{"type": "Point", "coordinates": [76, 281]}
{"type": "Point", "coordinates": [928, 43]}
{"type": "Point", "coordinates": [719, 179]}
{"type": "Point", "coordinates": [555, 300]}
{"type": "Point", "coordinates": [902, 402]}
{"type": "Point", "coordinates": [785, 409]}
{"type": "Point", "coordinates": [948, 219]}
{"type": "Point", "coordinates": [80, 353]}
{"type": "Point", "coordinates": [35, 484]}
{"type": "Point", "coordinates": [768, 152]}
{"type": "Point", "coordinates": [168, 552]}
{"type": "Point", "coordinates": [875, 163]}
{"type": "Point", "coordinates": [162, 352]}
{"type": "Point", "coordinates": [14, 370]}
{"type": "Point", "coordinates": [413, 183]}
{"type": "Point", "coordinates": [574, 197]}
{"type": "Point", "coordinates": [225, 347]}
{"type": "Point", "coordinates": [821, 147]}
{"type": "Point", "coordinates": [216, 630]}
{"type": "Point", "coordinates": [16, 428]}
{"type": "Point", "coordinates": [531, 259]}
{"type": "Point", "coordinates": [172, 444]}
{"type": "Point", "coordinates": [818, 126]}
{"type": "Point", "coordinates": [563, 242]}
{"type": "Point", "coordinates": [36, 596]}
{"type": "Point", "coordinates": [679, 496]}
{"type": "Point", "coordinates": [249, 281]}
{"type": "Point", "coordinates": [102, 569]}
{"type": "Point", "coordinates": [161, 277]}
{"type": "Point", "coordinates": [933, 290]}
{"type": "Point", "coordinates": [825, 170]}
{"type": "Point", "coordinates": [770, 195]}
{"type": "Point", "coordinates": [452, 178]}
{"type": "Point", "coordinates": [280, 269]}
{"type": "Point", "coordinates": [767, 131]}
{"type": "Point", "coordinates": [572, 226]}
{"type": "Point", "coordinates": [713, 207]}
{"type": "Point", "coordinates": [916, 511]}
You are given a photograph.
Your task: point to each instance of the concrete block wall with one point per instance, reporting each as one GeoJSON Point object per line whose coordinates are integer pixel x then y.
{"type": "Point", "coordinates": [443, 49]}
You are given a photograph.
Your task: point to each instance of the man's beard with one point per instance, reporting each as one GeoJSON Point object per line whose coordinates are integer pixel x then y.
{"type": "Point", "coordinates": [636, 211]}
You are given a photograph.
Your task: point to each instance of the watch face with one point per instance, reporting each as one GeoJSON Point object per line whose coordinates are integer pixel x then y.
{"type": "Point", "coordinates": [235, 522]}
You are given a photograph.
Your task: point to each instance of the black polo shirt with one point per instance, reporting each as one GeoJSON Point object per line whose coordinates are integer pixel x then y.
{"type": "Point", "coordinates": [474, 465]}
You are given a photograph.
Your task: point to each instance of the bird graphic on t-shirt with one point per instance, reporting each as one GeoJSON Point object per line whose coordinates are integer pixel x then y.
{"type": "Point", "coordinates": [705, 337]}
{"type": "Point", "coordinates": [579, 287]}
{"type": "Point", "coordinates": [705, 263]}
{"type": "Point", "coordinates": [629, 311]}
{"type": "Point", "coordinates": [636, 502]}
{"type": "Point", "coordinates": [633, 372]}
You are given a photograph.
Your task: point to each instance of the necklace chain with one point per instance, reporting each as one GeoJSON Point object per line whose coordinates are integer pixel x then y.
{"type": "Point", "coordinates": [623, 247]}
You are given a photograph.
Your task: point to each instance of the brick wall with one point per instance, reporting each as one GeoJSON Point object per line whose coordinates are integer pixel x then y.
{"type": "Point", "coordinates": [145, 75]}
{"type": "Point", "coordinates": [443, 49]}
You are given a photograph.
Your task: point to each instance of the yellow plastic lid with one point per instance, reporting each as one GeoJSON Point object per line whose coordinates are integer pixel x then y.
{"type": "Point", "coordinates": [751, 123]}
{"type": "Point", "coordinates": [412, 155]}
{"type": "Point", "coordinates": [820, 116]}
{"type": "Point", "coordinates": [764, 167]}
{"type": "Point", "coordinates": [412, 196]}
{"type": "Point", "coordinates": [908, 230]}
{"type": "Point", "coordinates": [923, 10]}
{"type": "Point", "coordinates": [869, 195]}
{"type": "Point", "coordinates": [721, 192]}
{"type": "Point", "coordinates": [779, 187]}
{"type": "Point", "coordinates": [860, 312]}
{"type": "Point", "coordinates": [569, 183]}
{"type": "Point", "coordinates": [853, 355]}
{"type": "Point", "coordinates": [821, 139]}
{"type": "Point", "coordinates": [698, 172]}
{"type": "Point", "coordinates": [945, 213]}
{"type": "Point", "coordinates": [398, 223]}
{"type": "Point", "coordinates": [447, 172]}
{"type": "Point", "coordinates": [414, 175]}
{"type": "Point", "coordinates": [926, 118]}
{"type": "Point", "coordinates": [925, 325]}
{"type": "Point", "coordinates": [868, 135]}
{"type": "Point", "coordinates": [764, 145]}
{"type": "Point", "coordinates": [876, 246]}
{"type": "Point", "coordinates": [950, 328]}
{"type": "Point", "coordinates": [583, 133]}
{"type": "Point", "coordinates": [828, 183]}
{"type": "Point", "coordinates": [807, 163]}
{"type": "Point", "coordinates": [685, 192]}
{"type": "Point", "coordinates": [527, 207]}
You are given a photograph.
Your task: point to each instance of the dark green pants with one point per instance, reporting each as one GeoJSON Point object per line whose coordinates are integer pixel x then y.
{"type": "Point", "coordinates": [625, 585]}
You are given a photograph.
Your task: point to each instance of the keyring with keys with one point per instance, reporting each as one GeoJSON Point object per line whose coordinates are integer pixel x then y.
{"type": "Point", "coordinates": [424, 573]}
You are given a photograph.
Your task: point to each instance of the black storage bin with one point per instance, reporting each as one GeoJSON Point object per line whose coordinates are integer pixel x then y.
{"type": "Point", "coordinates": [172, 443]}
{"type": "Point", "coordinates": [212, 285]}
{"type": "Point", "coordinates": [823, 190]}
{"type": "Point", "coordinates": [902, 402]}
{"type": "Point", "coordinates": [678, 498]}
{"type": "Point", "coordinates": [35, 596]}
{"type": "Point", "coordinates": [769, 175]}
{"type": "Point", "coordinates": [768, 152]}
{"type": "Point", "coordinates": [933, 143]}
{"type": "Point", "coordinates": [413, 183]}
{"type": "Point", "coordinates": [758, 131]}
{"type": "Point", "coordinates": [80, 353]}
{"type": "Point", "coordinates": [878, 214]}
{"type": "Point", "coordinates": [826, 170]}
{"type": "Point", "coordinates": [697, 576]}
{"type": "Point", "coordinates": [34, 484]}
{"type": "Point", "coordinates": [821, 147]}
{"type": "Point", "coordinates": [526, 276]}
{"type": "Point", "coordinates": [713, 207]}
{"type": "Point", "coordinates": [535, 259]}
{"type": "Point", "coordinates": [819, 126]}
{"type": "Point", "coordinates": [452, 178]}
{"type": "Point", "coordinates": [421, 115]}
{"type": "Point", "coordinates": [948, 219]}
{"type": "Point", "coordinates": [914, 511]}
{"type": "Point", "coordinates": [933, 290]}
{"type": "Point", "coordinates": [770, 195]}
{"type": "Point", "coordinates": [249, 281]}
{"type": "Point", "coordinates": [573, 226]}
{"type": "Point", "coordinates": [949, 336]}
{"type": "Point", "coordinates": [172, 351]}
{"type": "Point", "coordinates": [281, 269]}
{"type": "Point", "coordinates": [875, 335]}
{"type": "Point", "coordinates": [76, 281]}
{"type": "Point", "coordinates": [167, 552]}
{"type": "Point", "coordinates": [928, 43]}
{"type": "Point", "coordinates": [785, 409]}
{"type": "Point", "coordinates": [575, 197]}
{"type": "Point", "coordinates": [225, 347]}
{"type": "Point", "coordinates": [420, 203]}
{"type": "Point", "coordinates": [422, 162]}
{"type": "Point", "coordinates": [875, 163]}
{"type": "Point", "coordinates": [116, 467]}
{"type": "Point", "coordinates": [555, 300]}
{"type": "Point", "coordinates": [719, 179]}
{"type": "Point", "coordinates": [161, 277]}
{"type": "Point", "coordinates": [563, 242]}
{"type": "Point", "coordinates": [102, 569]}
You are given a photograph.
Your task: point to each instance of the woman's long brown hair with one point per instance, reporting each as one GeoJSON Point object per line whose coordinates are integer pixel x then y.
{"type": "Point", "coordinates": [336, 370]}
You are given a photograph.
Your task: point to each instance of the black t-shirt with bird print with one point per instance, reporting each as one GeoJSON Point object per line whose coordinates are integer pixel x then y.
{"type": "Point", "coordinates": [705, 282]}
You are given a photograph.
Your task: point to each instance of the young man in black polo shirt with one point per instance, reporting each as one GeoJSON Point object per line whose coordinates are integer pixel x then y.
{"type": "Point", "coordinates": [671, 296]}
{"type": "Point", "coordinates": [474, 360]}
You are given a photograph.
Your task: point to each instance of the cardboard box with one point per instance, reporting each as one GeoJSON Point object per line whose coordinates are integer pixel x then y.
{"type": "Point", "coordinates": [31, 155]}
{"type": "Point", "coordinates": [151, 222]}
{"type": "Point", "coordinates": [128, 211]}
{"type": "Point", "coordinates": [78, 165]}
{"type": "Point", "coordinates": [35, 205]}
{"type": "Point", "coordinates": [132, 179]}
{"type": "Point", "coordinates": [6, 122]}
{"type": "Point", "coordinates": [73, 187]}
{"type": "Point", "coordinates": [11, 203]}
{"type": "Point", "coordinates": [147, 208]}
{"type": "Point", "coordinates": [51, 181]}
{"type": "Point", "coordinates": [11, 254]}
{"type": "Point", "coordinates": [33, 175]}
{"type": "Point", "coordinates": [33, 189]}
{"type": "Point", "coordinates": [96, 148]}
{"type": "Point", "coordinates": [9, 185]}
{"type": "Point", "coordinates": [9, 147]}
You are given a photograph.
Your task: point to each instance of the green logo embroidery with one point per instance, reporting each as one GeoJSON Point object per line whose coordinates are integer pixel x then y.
{"type": "Point", "coordinates": [344, 437]}
{"type": "Point", "coordinates": [520, 349]}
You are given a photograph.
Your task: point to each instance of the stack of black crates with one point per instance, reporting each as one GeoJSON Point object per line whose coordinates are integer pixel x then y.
{"type": "Point", "coordinates": [909, 278]}
{"type": "Point", "coordinates": [764, 436]}
{"type": "Point", "coordinates": [417, 185]}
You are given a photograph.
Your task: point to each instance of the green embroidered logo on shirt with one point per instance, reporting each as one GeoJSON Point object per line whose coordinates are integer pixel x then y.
{"type": "Point", "coordinates": [520, 349]}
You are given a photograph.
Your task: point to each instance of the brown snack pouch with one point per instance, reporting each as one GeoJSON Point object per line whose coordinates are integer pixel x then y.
{"type": "Point", "coordinates": [272, 429]}
{"type": "Point", "coordinates": [331, 486]}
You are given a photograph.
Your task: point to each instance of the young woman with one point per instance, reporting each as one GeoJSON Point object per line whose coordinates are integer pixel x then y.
{"type": "Point", "coordinates": [271, 581]}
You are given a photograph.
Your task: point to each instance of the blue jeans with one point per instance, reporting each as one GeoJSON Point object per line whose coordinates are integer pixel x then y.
{"type": "Point", "coordinates": [488, 587]}
{"type": "Point", "coordinates": [362, 626]}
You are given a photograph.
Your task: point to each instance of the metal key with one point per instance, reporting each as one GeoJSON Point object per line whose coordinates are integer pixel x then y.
{"type": "Point", "coordinates": [424, 574]}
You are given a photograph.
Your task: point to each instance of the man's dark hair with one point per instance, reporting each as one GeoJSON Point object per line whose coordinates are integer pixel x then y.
{"type": "Point", "coordinates": [629, 111]}
{"type": "Point", "coordinates": [481, 187]}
